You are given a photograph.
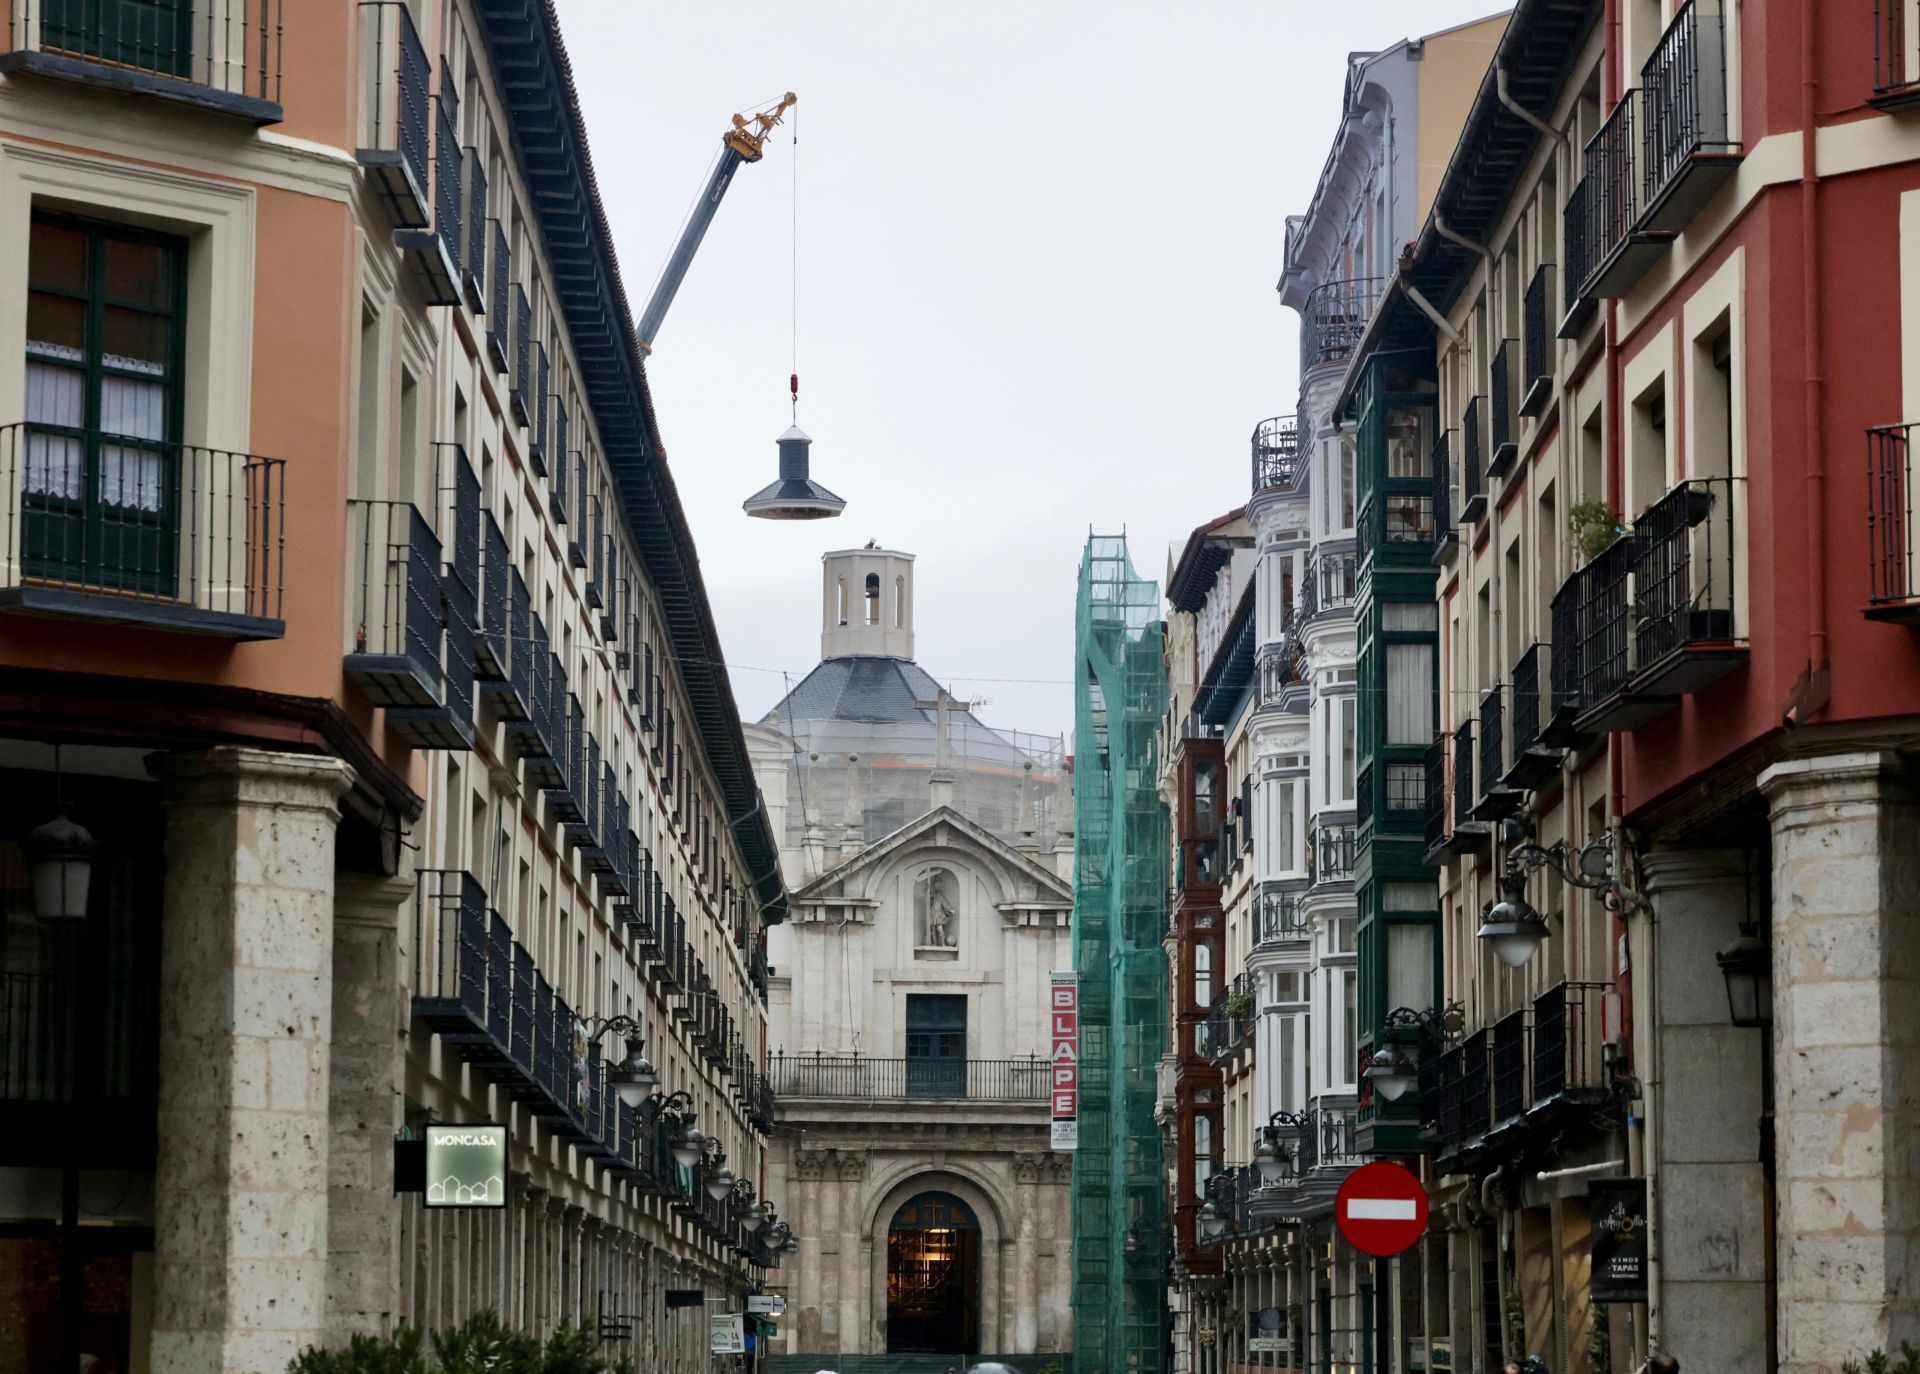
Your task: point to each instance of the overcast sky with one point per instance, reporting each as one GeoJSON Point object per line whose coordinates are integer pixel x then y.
{"type": "Point", "coordinates": [1038, 241]}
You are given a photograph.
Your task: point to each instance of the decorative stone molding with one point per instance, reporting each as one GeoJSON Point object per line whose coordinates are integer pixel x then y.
{"type": "Point", "coordinates": [849, 1164]}
{"type": "Point", "coordinates": [1026, 1168]}
{"type": "Point", "coordinates": [1057, 1168]}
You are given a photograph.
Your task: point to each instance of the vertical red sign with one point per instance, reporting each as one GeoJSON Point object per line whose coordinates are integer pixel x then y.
{"type": "Point", "coordinates": [1063, 1019]}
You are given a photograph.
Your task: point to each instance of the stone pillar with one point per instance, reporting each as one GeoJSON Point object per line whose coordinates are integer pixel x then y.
{"type": "Point", "coordinates": [366, 1104]}
{"type": "Point", "coordinates": [851, 1171]}
{"type": "Point", "coordinates": [1701, 1077]}
{"type": "Point", "coordinates": [240, 1234]}
{"type": "Point", "coordinates": [1846, 1055]}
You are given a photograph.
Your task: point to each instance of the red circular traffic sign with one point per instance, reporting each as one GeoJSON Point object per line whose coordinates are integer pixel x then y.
{"type": "Point", "coordinates": [1381, 1209]}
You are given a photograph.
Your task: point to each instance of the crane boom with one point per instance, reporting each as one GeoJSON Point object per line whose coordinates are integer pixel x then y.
{"type": "Point", "coordinates": [744, 142]}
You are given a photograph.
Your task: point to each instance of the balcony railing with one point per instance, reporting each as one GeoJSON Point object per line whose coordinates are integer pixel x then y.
{"type": "Point", "coordinates": [1594, 620]}
{"type": "Point", "coordinates": [1473, 461]}
{"type": "Point", "coordinates": [1434, 771]}
{"type": "Point", "coordinates": [1685, 583]}
{"type": "Point", "coordinates": [1277, 917]}
{"type": "Point", "coordinates": [861, 1079]}
{"type": "Point", "coordinates": [1526, 700]}
{"type": "Point", "coordinates": [1276, 452]}
{"type": "Point", "coordinates": [1509, 1066]}
{"type": "Point", "coordinates": [1536, 354]}
{"type": "Point", "coordinates": [1502, 402]}
{"type": "Point", "coordinates": [397, 618]}
{"type": "Point", "coordinates": [221, 55]}
{"type": "Point", "coordinates": [499, 273]}
{"type": "Point", "coordinates": [1333, 847]}
{"type": "Point", "coordinates": [1569, 1035]}
{"type": "Point", "coordinates": [115, 529]}
{"type": "Point", "coordinates": [1578, 257]}
{"type": "Point", "coordinates": [1335, 318]}
{"type": "Point", "coordinates": [395, 124]}
{"type": "Point", "coordinates": [1476, 1086]}
{"type": "Point", "coordinates": [65, 1039]}
{"type": "Point", "coordinates": [1896, 65]}
{"type": "Point", "coordinates": [1282, 671]}
{"type": "Point", "coordinates": [1329, 583]}
{"type": "Point", "coordinates": [1684, 85]}
{"type": "Point", "coordinates": [1890, 579]}
{"type": "Point", "coordinates": [1444, 478]}
{"type": "Point", "coordinates": [1622, 243]}
{"type": "Point", "coordinates": [1493, 740]}
{"type": "Point", "coordinates": [1463, 793]}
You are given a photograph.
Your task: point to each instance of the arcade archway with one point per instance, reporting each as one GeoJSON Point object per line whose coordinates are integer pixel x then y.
{"type": "Point", "coordinates": [933, 1276]}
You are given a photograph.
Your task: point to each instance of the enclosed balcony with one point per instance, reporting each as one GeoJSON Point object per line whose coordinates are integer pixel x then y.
{"type": "Point", "coordinates": [216, 55]}
{"type": "Point", "coordinates": [1329, 584]}
{"type": "Point", "coordinates": [1276, 452]}
{"type": "Point", "coordinates": [1689, 154]}
{"type": "Point", "coordinates": [1335, 319]}
{"type": "Point", "coordinates": [1892, 591]}
{"type": "Point", "coordinates": [1283, 679]}
{"type": "Point", "coordinates": [118, 529]}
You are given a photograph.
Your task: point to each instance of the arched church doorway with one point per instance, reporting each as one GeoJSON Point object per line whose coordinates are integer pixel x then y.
{"type": "Point", "coordinates": [933, 1276]}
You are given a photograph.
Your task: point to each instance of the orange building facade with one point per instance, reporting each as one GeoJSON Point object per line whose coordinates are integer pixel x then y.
{"type": "Point", "coordinates": [370, 761]}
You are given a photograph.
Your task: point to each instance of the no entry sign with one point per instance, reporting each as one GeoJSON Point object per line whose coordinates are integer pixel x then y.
{"type": "Point", "coordinates": [1381, 1209]}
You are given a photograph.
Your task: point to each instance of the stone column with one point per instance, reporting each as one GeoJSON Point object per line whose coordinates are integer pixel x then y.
{"type": "Point", "coordinates": [240, 1234]}
{"type": "Point", "coordinates": [1701, 1077]}
{"type": "Point", "coordinates": [366, 1104]}
{"type": "Point", "coordinates": [851, 1171]}
{"type": "Point", "coordinates": [1846, 1055]}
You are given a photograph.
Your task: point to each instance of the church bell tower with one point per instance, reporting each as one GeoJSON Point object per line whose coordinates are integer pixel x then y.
{"type": "Point", "coordinates": [866, 604]}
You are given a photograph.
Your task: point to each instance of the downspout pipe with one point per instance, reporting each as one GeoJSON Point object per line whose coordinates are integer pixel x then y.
{"type": "Point", "coordinates": [1519, 111]}
{"type": "Point", "coordinates": [1485, 368]}
{"type": "Point", "coordinates": [1814, 439]}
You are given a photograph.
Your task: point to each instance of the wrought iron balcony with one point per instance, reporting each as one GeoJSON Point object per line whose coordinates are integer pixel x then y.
{"type": "Point", "coordinates": [1896, 65]}
{"type": "Point", "coordinates": [219, 55]}
{"type": "Point", "coordinates": [1333, 847]}
{"type": "Point", "coordinates": [1434, 776]}
{"type": "Point", "coordinates": [1497, 800]}
{"type": "Point", "coordinates": [1473, 469]}
{"type": "Point", "coordinates": [397, 622]}
{"type": "Point", "coordinates": [116, 530]}
{"type": "Point", "coordinates": [1622, 247]}
{"type": "Point", "coordinates": [1463, 793]}
{"type": "Point", "coordinates": [1536, 353]}
{"type": "Point", "coordinates": [1276, 452]}
{"type": "Point", "coordinates": [1689, 154]}
{"type": "Point", "coordinates": [499, 274]}
{"type": "Point", "coordinates": [1334, 319]}
{"type": "Point", "coordinates": [1476, 1087]}
{"type": "Point", "coordinates": [1535, 758]}
{"type": "Point", "coordinates": [1892, 590]}
{"type": "Point", "coordinates": [473, 256]}
{"type": "Point", "coordinates": [1277, 918]}
{"type": "Point", "coordinates": [1444, 480]}
{"type": "Point", "coordinates": [1570, 1035]}
{"type": "Point", "coordinates": [856, 1078]}
{"type": "Point", "coordinates": [519, 396]}
{"type": "Point", "coordinates": [1502, 398]}
{"type": "Point", "coordinates": [1283, 683]}
{"type": "Point", "coordinates": [1581, 234]}
{"type": "Point", "coordinates": [396, 128]}
{"type": "Point", "coordinates": [1329, 584]}
{"type": "Point", "coordinates": [1508, 1067]}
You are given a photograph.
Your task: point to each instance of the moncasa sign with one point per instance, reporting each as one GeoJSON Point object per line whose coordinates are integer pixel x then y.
{"type": "Point", "coordinates": [1064, 1028]}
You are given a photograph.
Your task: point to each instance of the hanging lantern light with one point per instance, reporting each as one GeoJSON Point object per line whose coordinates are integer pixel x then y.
{"type": "Point", "coordinates": [1747, 965]}
{"type": "Point", "coordinates": [1391, 1074]}
{"type": "Point", "coordinates": [689, 1147]}
{"type": "Point", "coordinates": [634, 1077]}
{"type": "Point", "coordinates": [60, 862]}
{"type": "Point", "coordinates": [1513, 928]}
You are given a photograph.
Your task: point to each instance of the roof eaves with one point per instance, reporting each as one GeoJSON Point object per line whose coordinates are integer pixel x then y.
{"type": "Point", "coordinates": [550, 142]}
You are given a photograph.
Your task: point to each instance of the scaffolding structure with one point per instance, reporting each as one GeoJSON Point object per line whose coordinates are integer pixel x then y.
{"type": "Point", "coordinates": [1119, 921]}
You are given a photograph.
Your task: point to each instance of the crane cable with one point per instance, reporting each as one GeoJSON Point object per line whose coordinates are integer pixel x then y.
{"type": "Point", "coordinates": [793, 274]}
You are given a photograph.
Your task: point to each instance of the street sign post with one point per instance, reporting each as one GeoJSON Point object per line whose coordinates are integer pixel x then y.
{"type": "Point", "coordinates": [1381, 1209]}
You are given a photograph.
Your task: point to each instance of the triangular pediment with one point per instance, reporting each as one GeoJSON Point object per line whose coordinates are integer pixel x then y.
{"type": "Point", "coordinates": [942, 827]}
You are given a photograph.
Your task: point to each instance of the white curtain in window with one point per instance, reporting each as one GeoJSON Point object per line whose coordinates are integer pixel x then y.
{"type": "Point", "coordinates": [1409, 965]}
{"type": "Point", "coordinates": [1410, 694]}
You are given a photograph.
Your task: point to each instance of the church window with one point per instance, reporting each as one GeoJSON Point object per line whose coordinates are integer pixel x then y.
{"type": "Point", "coordinates": [873, 598]}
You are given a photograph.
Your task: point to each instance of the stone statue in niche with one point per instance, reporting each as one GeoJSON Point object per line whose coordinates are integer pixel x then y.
{"type": "Point", "coordinates": [939, 919]}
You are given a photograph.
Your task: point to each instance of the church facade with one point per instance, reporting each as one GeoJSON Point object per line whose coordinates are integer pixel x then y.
{"type": "Point", "coordinates": [929, 858]}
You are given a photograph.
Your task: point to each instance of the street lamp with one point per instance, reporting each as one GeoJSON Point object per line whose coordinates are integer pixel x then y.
{"type": "Point", "coordinates": [1392, 1071]}
{"type": "Point", "coordinates": [1747, 965]}
{"type": "Point", "coordinates": [60, 861]}
{"type": "Point", "coordinates": [633, 1078]}
{"type": "Point", "coordinates": [1213, 1221]}
{"type": "Point", "coordinates": [1511, 925]}
{"type": "Point", "coordinates": [719, 1177]}
{"type": "Point", "coordinates": [1273, 1160]}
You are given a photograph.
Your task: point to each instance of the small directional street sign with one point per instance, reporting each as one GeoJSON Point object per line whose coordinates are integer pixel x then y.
{"type": "Point", "coordinates": [1381, 1209]}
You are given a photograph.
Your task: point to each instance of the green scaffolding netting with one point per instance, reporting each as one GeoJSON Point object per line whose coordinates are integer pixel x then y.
{"type": "Point", "coordinates": [1119, 922]}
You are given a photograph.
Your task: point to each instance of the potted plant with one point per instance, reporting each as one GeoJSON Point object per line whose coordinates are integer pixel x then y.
{"type": "Point", "coordinates": [1237, 1003]}
{"type": "Point", "coordinates": [1594, 526]}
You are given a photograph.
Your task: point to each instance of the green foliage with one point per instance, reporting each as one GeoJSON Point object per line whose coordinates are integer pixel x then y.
{"type": "Point", "coordinates": [1599, 1337]}
{"type": "Point", "coordinates": [399, 1353]}
{"type": "Point", "coordinates": [1879, 1362]}
{"type": "Point", "coordinates": [480, 1345]}
{"type": "Point", "coordinates": [1594, 526]}
{"type": "Point", "coordinates": [1237, 1004]}
{"type": "Point", "coordinates": [1051, 1367]}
